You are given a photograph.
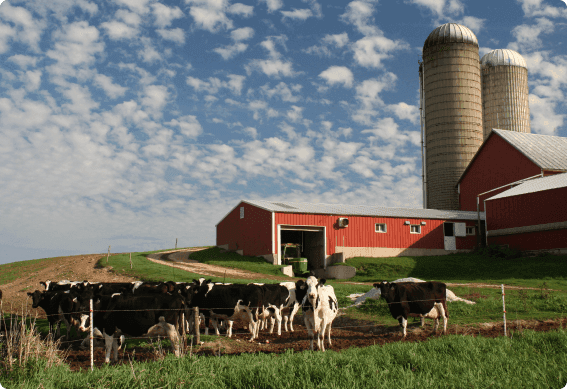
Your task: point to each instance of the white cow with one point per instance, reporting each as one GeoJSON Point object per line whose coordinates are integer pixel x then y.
{"type": "Point", "coordinates": [320, 308]}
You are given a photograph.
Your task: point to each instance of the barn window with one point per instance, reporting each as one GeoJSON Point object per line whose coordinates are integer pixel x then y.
{"type": "Point", "coordinates": [242, 212]}
{"type": "Point", "coordinates": [471, 230]}
{"type": "Point", "coordinates": [415, 229]}
{"type": "Point", "coordinates": [381, 227]}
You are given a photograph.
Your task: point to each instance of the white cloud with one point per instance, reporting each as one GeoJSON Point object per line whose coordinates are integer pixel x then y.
{"type": "Point", "coordinates": [533, 8]}
{"type": "Point", "coordinates": [164, 15]}
{"type": "Point", "coordinates": [251, 131]}
{"type": "Point", "coordinates": [283, 91]}
{"type": "Point", "coordinates": [155, 97]}
{"type": "Point", "coordinates": [297, 14]}
{"type": "Point", "coordinates": [176, 35]}
{"type": "Point", "coordinates": [372, 50]}
{"type": "Point", "coordinates": [138, 6]}
{"type": "Point", "coordinates": [359, 14]}
{"type": "Point", "coordinates": [475, 24]}
{"type": "Point", "coordinates": [188, 125]}
{"type": "Point", "coordinates": [242, 34]}
{"type": "Point", "coordinates": [210, 15]}
{"type": "Point", "coordinates": [441, 9]}
{"type": "Point", "coordinates": [337, 40]}
{"type": "Point", "coordinates": [528, 36]}
{"type": "Point", "coordinates": [544, 119]}
{"type": "Point", "coordinates": [23, 61]}
{"type": "Point", "coordinates": [295, 114]}
{"type": "Point", "coordinates": [273, 5]}
{"type": "Point", "coordinates": [387, 129]}
{"type": "Point", "coordinates": [273, 67]}
{"type": "Point", "coordinates": [111, 89]}
{"type": "Point", "coordinates": [117, 30]}
{"type": "Point", "coordinates": [234, 84]}
{"type": "Point", "coordinates": [243, 10]}
{"type": "Point", "coordinates": [338, 75]}
{"type": "Point", "coordinates": [405, 111]}
{"type": "Point", "coordinates": [26, 30]}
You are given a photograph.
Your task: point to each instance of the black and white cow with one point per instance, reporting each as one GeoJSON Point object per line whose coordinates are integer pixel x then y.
{"type": "Point", "coordinates": [228, 302]}
{"type": "Point", "coordinates": [427, 299]}
{"type": "Point", "coordinates": [145, 315]}
{"type": "Point", "coordinates": [320, 307]}
{"type": "Point", "coordinates": [51, 303]}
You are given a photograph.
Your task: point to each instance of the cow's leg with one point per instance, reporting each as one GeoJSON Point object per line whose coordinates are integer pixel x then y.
{"type": "Point", "coordinates": [422, 317]}
{"type": "Point", "coordinates": [442, 313]}
{"type": "Point", "coordinates": [108, 342]}
{"type": "Point", "coordinates": [229, 331]}
{"type": "Point", "coordinates": [329, 334]}
{"type": "Point", "coordinates": [309, 329]}
{"type": "Point", "coordinates": [403, 323]}
{"type": "Point", "coordinates": [279, 320]}
{"type": "Point", "coordinates": [285, 320]}
{"type": "Point", "coordinates": [292, 315]}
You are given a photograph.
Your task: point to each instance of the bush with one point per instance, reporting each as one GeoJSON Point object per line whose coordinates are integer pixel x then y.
{"type": "Point", "coordinates": [497, 251]}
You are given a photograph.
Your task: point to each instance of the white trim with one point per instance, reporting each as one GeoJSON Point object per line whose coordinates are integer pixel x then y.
{"type": "Point", "coordinates": [279, 245]}
{"type": "Point", "coordinates": [381, 224]}
{"type": "Point", "coordinates": [415, 225]}
{"type": "Point", "coordinates": [273, 233]}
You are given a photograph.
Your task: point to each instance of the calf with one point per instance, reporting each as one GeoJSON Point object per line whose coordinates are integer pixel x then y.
{"type": "Point", "coordinates": [427, 299]}
{"type": "Point", "coordinates": [147, 315]}
{"type": "Point", "coordinates": [320, 308]}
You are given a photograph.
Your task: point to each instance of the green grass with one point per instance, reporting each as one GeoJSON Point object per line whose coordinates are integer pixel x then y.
{"type": "Point", "coordinates": [466, 268]}
{"type": "Point", "coordinates": [12, 271]}
{"type": "Point", "coordinates": [528, 360]}
{"type": "Point", "coordinates": [216, 256]}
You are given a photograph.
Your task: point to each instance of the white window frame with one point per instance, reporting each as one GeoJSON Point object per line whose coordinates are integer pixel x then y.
{"type": "Point", "coordinates": [418, 229]}
{"type": "Point", "coordinates": [242, 212]}
{"type": "Point", "coordinates": [473, 230]}
{"type": "Point", "coordinates": [381, 224]}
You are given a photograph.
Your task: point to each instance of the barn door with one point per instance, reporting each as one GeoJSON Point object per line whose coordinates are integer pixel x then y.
{"type": "Point", "coordinates": [449, 236]}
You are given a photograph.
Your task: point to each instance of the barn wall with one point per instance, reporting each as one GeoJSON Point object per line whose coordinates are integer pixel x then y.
{"type": "Point", "coordinates": [543, 240]}
{"type": "Point", "coordinates": [361, 232]}
{"type": "Point", "coordinates": [252, 234]}
{"type": "Point", "coordinates": [527, 209]}
{"type": "Point", "coordinates": [498, 164]}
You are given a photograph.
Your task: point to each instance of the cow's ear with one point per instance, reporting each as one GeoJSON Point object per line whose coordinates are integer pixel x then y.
{"type": "Point", "coordinates": [376, 285]}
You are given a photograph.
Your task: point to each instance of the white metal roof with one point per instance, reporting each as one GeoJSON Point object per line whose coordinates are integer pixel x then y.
{"type": "Point", "coordinates": [503, 57]}
{"type": "Point", "coordinates": [535, 185]}
{"type": "Point", "coordinates": [362, 210]}
{"type": "Point", "coordinates": [449, 33]}
{"type": "Point", "coordinates": [548, 152]}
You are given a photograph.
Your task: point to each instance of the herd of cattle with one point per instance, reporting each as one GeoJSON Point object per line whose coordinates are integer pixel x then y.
{"type": "Point", "coordinates": [164, 308]}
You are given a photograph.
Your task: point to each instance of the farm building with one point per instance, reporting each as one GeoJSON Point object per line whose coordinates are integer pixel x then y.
{"type": "Point", "coordinates": [530, 216]}
{"type": "Point", "coordinates": [505, 158]}
{"type": "Point", "coordinates": [330, 233]}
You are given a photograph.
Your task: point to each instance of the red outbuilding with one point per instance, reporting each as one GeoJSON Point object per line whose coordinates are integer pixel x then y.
{"type": "Point", "coordinates": [333, 232]}
{"type": "Point", "coordinates": [506, 157]}
{"type": "Point", "coordinates": [530, 216]}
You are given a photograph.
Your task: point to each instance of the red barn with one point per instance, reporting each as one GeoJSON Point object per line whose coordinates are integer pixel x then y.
{"type": "Point", "coordinates": [506, 157]}
{"type": "Point", "coordinates": [530, 216]}
{"type": "Point", "coordinates": [331, 232]}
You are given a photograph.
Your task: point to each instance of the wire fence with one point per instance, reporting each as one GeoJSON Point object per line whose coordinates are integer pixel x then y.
{"type": "Point", "coordinates": [490, 316]}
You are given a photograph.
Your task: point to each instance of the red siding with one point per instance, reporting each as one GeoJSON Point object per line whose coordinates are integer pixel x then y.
{"type": "Point", "coordinates": [497, 164]}
{"type": "Point", "coordinates": [528, 209]}
{"type": "Point", "coordinates": [250, 234]}
{"type": "Point", "coordinates": [544, 240]}
{"type": "Point", "coordinates": [361, 231]}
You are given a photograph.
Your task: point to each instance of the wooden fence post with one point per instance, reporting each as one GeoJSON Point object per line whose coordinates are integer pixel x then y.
{"type": "Point", "coordinates": [197, 330]}
{"type": "Point", "coordinates": [108, 254]}
{"type": "Point", "coordinates": [176, 243]}
{"type": "Point", "coordinates": [91, 334]}
{"type": "Point", "coordinates": [130, 260]}
{"type": "Point", "coordinates": [504, 309]}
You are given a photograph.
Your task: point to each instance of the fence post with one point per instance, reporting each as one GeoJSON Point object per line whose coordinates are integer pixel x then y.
{"type": "Point", "coordinates": [130, 260]}
{"type": "Point", "coordinates": [108, 255]}
{"type": "Point", "coordinates": [504, 309]}
{"type": "Point", "coordinates": [176, 243]}
{"type": "Point", "coordinates": [197, 331]}
{"type": "Point", "coordinates": [92, 340]}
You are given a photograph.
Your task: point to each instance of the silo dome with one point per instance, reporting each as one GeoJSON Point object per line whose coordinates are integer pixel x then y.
{"type": "Point", "coordinates": [503, 57]}
{"type": "Point", "coordinates": [450, 33]}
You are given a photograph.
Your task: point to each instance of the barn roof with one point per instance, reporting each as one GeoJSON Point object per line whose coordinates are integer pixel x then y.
{"type": "Point", "coordinates": [546, 151]}
{"type": "Point", "coordinates": [362, 210]}
{"type": "Point", "coordinates": [536, 185]}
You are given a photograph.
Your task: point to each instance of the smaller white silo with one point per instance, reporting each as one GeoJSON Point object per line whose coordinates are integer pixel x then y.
{"type": "Point", "coordinates": [505, 92]}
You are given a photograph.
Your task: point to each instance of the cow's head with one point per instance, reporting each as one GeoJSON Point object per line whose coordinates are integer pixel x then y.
{"type": "Point", "coordinates": [312, 293]}
{"type": "Point", "coordinates": [45, 284]}
{"type": "Point", "coordinates": [387, 289]}
{"type": "Point", "coordinates": [36, 296]}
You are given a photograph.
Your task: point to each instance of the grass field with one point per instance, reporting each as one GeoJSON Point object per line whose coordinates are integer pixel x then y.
{"type": "Point", "coordinates": [528, 360]}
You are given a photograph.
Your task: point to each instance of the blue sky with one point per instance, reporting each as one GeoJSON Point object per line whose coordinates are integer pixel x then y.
{"type": "Point", "coordinates": [132, 123]}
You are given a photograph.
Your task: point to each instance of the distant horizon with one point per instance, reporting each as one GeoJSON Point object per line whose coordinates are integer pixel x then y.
{"type": "Point", "coordinates": [132, 123]}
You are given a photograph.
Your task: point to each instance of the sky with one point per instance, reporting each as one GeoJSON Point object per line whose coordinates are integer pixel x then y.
{"type": "Point", "coordinates": [133, 123]}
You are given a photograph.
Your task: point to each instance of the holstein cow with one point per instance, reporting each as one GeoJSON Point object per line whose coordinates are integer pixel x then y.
{"type": "Point", "coordinates": [146, 315]}
{"type": "Point", "coordinates": [49, 302]}
{"type": "Point", "coordinates": [228, 302]}
{"type": "Point", "coordinates": [320, 308]}
{"type": "Point", "coordinates": [427, 299]}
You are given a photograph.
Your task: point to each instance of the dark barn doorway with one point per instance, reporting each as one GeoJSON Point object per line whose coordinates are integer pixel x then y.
{"type": "Point", "coordinates": [312, 241]}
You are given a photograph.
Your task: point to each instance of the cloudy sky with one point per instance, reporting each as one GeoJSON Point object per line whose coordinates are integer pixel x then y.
{"type": "Point", "coordinates": [132, 123]}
